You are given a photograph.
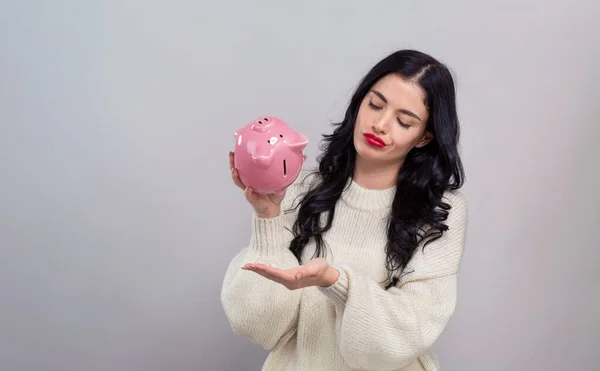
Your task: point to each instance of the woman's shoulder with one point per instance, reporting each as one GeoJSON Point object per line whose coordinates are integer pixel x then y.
{"type": "Point", "coordinates": [458, 212]}
{"type": "Point", "coordinates": [457, 201]}
{"type": "Point", "coordinates": [443, 255]}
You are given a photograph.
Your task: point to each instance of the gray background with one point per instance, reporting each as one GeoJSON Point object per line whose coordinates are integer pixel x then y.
{"type": "Point", "coordinates": [118, 219]}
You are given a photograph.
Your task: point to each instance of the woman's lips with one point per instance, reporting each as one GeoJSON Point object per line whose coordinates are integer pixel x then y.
{"type": "Point", "coordinates": [374, 140]}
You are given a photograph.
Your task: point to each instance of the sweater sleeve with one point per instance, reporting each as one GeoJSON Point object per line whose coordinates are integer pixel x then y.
{"type": "Point", "coordinates": [259, 309]}
{"type": "Point", "coordinates": [380, 329]}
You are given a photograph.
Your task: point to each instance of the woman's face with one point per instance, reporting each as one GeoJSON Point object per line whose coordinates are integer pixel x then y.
{"type": "Point", "coordinates": [391, 121]}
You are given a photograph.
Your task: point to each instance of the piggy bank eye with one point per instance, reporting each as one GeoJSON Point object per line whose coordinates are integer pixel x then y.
{"type": "Point", "coordinates": [281, 135]}
{"type": "Point", "coordinates": [266, 119]}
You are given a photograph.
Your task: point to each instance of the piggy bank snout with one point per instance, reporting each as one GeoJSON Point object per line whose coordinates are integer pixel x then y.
{"type": "Point", "coordinates": [262, 124]}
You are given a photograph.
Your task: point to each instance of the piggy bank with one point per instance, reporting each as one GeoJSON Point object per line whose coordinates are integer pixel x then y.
{"type": "Point", "coordinates": [268, 155]}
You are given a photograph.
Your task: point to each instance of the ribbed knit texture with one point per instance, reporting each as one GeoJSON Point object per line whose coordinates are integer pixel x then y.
{"type": "Point", "coordinates": [353, 324]}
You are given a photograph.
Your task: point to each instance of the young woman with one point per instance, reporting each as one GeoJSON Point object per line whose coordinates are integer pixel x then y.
{"type": "Point", "coordinates": [356, 266]}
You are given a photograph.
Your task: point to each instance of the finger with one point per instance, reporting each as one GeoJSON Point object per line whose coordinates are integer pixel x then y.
{"type": "Point", "coordinates": [236, 179]}
{"type": "Point", "coordinates": [234, 173]}
{"type": "Point", "coordinates": [268, 275]}
{"type": "Point", "coordinates": [274, 274]}
{"type": "Point", "coordinates": [303, 158]}
{"type": "Point", "coordinates": [250, 195]}
{"type": "Point", "coordinates": [266, 269]}
{"type": "Point", "coordinates": [231, 160]}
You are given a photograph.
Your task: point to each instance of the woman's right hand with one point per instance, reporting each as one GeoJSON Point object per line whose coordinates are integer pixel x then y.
{"type": "Point", "coordinates": [265, 206]}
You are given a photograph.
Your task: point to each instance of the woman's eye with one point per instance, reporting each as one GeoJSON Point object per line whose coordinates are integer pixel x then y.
{"type": "Point", "coordinates": [403, 124]}
{"type": "Point", "coordinates": [374, 106]}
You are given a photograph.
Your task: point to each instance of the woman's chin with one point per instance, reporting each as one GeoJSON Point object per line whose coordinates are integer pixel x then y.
{"type": "Point", "coordinates": [368, 153]}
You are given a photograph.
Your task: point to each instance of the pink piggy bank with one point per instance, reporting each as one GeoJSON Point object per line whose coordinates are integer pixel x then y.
{"type": "Point", "coordinates": [268, 155]}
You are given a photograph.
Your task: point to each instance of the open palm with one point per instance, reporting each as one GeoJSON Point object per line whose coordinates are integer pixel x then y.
{"type": "Point", "coordinates": [310, 274]}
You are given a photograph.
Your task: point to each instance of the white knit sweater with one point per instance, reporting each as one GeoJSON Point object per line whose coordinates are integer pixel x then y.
{"type": "Point", "coordinates": [353, 324]}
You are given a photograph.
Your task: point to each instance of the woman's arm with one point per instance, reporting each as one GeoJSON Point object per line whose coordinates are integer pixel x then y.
{"type": "Point", "coordinates": [381, 329]}
{"type": "Point", "coordinates": [260, 309]}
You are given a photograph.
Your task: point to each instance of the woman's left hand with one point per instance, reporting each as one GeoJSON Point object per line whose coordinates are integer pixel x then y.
{"type": "Point", "coordinates": [316, 272]}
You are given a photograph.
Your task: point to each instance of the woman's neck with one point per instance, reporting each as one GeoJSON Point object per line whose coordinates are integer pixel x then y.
{"type": "Point", "coordinates": [375, 176]}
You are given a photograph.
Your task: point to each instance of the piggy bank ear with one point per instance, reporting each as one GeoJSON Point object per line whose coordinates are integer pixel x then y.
{"type": "Point", "coordinates": [262, 161]}
{"type": "Point", "coordinates": [299, 143]}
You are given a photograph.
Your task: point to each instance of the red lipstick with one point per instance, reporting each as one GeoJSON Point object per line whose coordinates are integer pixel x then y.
{"type": "Point", "coordinates": [374, 140]}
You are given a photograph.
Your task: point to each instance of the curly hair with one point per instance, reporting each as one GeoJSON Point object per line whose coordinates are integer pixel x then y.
{"type": "Point", "coordinates": [418, 211]}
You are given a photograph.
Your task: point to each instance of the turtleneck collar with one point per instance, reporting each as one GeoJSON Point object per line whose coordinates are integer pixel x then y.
{"type": "Point", "coordinates": [368, 199]}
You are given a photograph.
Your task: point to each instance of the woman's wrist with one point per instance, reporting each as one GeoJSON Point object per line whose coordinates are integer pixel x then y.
{"type": "Point", "coordinates": [267, 214]}
{"type": "Point", "coordinates": [330, 276]}
{"type": "Point", "coordinates": [268, 235]}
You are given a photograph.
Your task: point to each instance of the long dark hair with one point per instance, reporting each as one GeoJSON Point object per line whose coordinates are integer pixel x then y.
{"type": "Point", "coordinates": [418, 212]}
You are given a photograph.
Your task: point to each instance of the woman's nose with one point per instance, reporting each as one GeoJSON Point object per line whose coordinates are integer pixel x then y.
{"type": "Point", "coordinates": [380, 126]}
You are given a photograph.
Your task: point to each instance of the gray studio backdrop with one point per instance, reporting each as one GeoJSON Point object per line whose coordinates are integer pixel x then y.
{"type": "Point", "coordinates": [118, 219]}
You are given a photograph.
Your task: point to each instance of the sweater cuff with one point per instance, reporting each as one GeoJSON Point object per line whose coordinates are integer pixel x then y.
{"type": "Point", "coordinates": [338, 292]}
{"type": "Point", "coordinates": [268, 236]}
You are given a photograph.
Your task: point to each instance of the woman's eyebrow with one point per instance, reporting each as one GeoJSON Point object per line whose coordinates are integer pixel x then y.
{"type": "Point", "coordinates": [407, 112]}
